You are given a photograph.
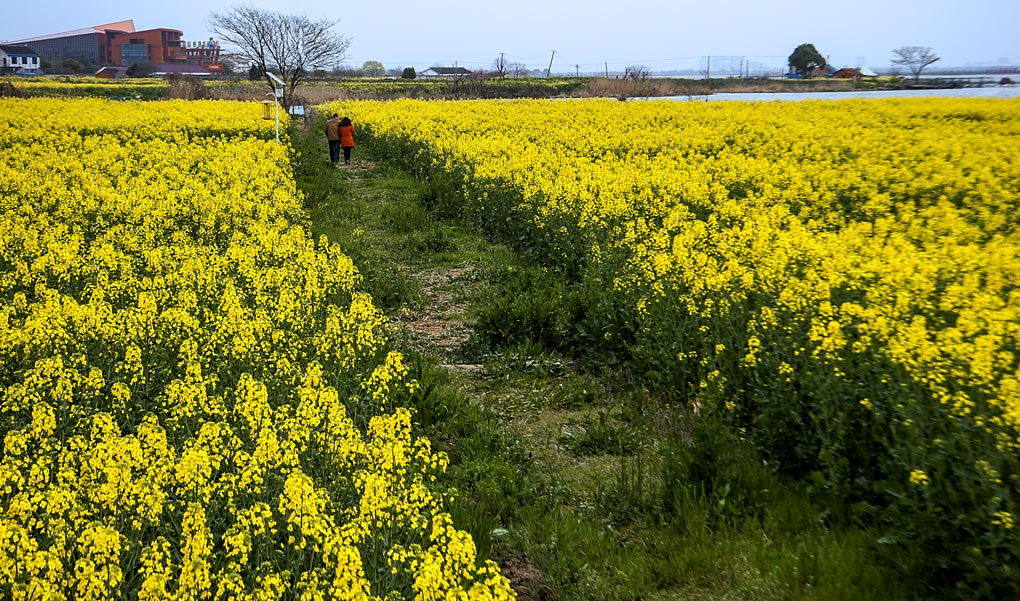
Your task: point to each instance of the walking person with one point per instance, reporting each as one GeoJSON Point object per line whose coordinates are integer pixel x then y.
{"type": "Point", "coordinates": [333, 137]}
{"type": "Point", "coordinates": [347, 138]}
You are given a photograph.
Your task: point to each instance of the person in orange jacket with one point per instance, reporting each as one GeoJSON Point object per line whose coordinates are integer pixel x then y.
{"type": "Point", "coordinates": [347, 138]}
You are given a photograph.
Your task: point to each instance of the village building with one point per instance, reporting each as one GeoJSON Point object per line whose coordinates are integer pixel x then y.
{"type": "Point", "coordinates": [19, 60]}
{"type": "Point", "coordinates": [111, 72]}
{"type": "Point", "coordinates": [444, 73]}
{"type": "Point", "coordinates": [848, 73]}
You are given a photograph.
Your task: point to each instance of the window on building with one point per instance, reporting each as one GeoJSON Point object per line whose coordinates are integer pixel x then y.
{"type": "Point", "coordinates": [132, 53]}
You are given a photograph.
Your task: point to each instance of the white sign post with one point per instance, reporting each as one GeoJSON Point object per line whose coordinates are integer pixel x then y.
{"type": "Point", "coordinates": [278, 94]}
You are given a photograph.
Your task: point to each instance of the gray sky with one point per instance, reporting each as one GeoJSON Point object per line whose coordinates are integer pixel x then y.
{"type": "Point", "coordinates": [659, 34]}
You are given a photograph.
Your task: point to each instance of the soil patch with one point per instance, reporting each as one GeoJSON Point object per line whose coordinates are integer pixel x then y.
{"type": "Point", "coordinates": [439, 325]}
{"type": "Point", "coordinates": [527, 580]}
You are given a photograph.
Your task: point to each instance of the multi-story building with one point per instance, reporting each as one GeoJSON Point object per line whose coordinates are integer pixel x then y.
{"type": "Point", "coordinates": [120, 44]}
{"type": "Point", "coordinates": [153, 45]}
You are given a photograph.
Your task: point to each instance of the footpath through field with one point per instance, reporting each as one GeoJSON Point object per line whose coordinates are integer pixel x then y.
{"type": "Point", "coordinates": [559, 472]}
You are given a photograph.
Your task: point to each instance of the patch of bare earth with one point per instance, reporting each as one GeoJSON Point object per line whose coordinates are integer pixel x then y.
{"type": "Point", "coordinates": [526, 579]}
{"type": "Point", "coordinates": [439, 325]}
{"type": "Point", "coordinates": [355, 168]}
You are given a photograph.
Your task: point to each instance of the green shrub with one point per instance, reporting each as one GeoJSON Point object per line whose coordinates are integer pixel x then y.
{"type": "Point", "coordinates": [600, 436]}
{"type": "Point", "coordinates": [526, 305]}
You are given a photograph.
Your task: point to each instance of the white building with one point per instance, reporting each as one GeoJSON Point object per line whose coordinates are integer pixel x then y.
{"type": "Point", "coordinates": [21, 60]}
{"type": "Point", "coordinates": [444, 72]}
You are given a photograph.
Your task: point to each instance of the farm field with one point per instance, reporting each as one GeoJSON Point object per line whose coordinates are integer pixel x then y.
{"type": "Point", "coordinates": [836, 281]}
{"type": "Point", "coordinates": [200, 398]}
{"type": "Point", "coordinates": [320, 90]}
{"type": "Point", "coordinates": [312, 92]}
{"type": "Point", "coordinates": [197, 400]}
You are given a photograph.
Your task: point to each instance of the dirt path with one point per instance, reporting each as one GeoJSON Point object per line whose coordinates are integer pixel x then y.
{"type": "Point", "coordinates": [440, 324]}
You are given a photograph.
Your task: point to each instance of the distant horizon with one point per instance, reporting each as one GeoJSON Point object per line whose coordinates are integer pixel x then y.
{"type": "Point", "coordinates": [620, 67]}
{"type": "Point", "coordinates": [600, 35]}
{"type": "Point", "coordinates": [882, 71]}
{"type": "Point", "coordinates": [723, 64]}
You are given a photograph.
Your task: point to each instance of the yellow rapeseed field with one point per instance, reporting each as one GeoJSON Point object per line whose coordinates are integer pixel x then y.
{"type": "Point", "coordinates": [838, 280]}
{"type": "Point", "coordinates": [196, 400]}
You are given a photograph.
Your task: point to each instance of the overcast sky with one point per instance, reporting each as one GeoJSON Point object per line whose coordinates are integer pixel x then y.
{"type": "Point", "coordinates": [585, 35]}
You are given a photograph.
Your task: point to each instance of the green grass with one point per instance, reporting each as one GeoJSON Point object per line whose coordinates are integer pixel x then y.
{"type": "Point", "coordinates": [574, 478]}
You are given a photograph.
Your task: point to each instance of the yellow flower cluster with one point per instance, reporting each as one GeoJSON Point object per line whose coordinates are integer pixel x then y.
{"type": "Point", "coordinates": [783, 260]}
{"type": "Point", "coordinates": [196, 401]}
{"type": "Point", "coordinates": [893, 203]}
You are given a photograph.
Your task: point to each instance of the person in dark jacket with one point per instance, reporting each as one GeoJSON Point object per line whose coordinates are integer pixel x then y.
{"type": "Point", "coordinates": [347, 138]}
{"type": "Point", "coordinates": [333, 137]}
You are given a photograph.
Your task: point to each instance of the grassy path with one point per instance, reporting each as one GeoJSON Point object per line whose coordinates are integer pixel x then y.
{"type": "Point", "coordinates": [574, 482]}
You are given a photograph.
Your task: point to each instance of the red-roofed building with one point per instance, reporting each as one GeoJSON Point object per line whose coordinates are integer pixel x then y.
{"type": "Point", "coordinates": [848, 73]}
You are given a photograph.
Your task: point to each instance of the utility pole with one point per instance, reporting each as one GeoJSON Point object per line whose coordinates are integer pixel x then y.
{"type": "Point", "coordinates": [708, 67]}
{"type": "Point", "coordinates": [578, 68]}
{"type": "Point", "coordinates": [607, 69]}
{"type": "Point", "coordinates": [549, 70]}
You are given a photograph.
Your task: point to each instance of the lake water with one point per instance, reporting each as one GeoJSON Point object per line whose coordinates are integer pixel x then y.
{"type": "Point", "coordinates": [1008, 91]}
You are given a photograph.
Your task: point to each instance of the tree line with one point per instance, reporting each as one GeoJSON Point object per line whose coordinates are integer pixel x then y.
{"type": "Point", "coordinates": [805, 59]}
{"type": "Point", "coordinates": [296, 47]}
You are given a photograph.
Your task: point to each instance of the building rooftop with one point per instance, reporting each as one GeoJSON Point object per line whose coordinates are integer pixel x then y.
{"type": "Point", "coordinates": [127, 26]}
{"type": "Point", "coordinates": [449, 70]}
{"type": "Point", "coordinates": [11, 49]}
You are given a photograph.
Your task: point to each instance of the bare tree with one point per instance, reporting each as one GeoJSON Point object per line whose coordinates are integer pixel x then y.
{"type": "Point", "coordinates": [517, 70]}
{"type": "Point", "coordinates": [637, 72]}
{"type": "Point", "coordinates": [290, 45]}
{"type": "Point", "coordinates": [915, 58]}
{"type": "Point", "coordinates": [500, 66]}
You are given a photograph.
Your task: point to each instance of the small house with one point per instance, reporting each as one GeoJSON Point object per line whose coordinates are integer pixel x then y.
{"type": "Point", "coordinates": [111, 72]}
{"type": "Point", "coordinates": [823, 71]}
{"type": "Point", "coordinates": [19, 60]}
{"type": "Point", "coordinates": [444, 73]}
{"type": "Point", "coordinates": [848, 73]}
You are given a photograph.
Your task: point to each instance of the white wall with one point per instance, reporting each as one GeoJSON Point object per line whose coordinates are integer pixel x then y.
{"type": "Point", "coordinates": [22, 62]}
